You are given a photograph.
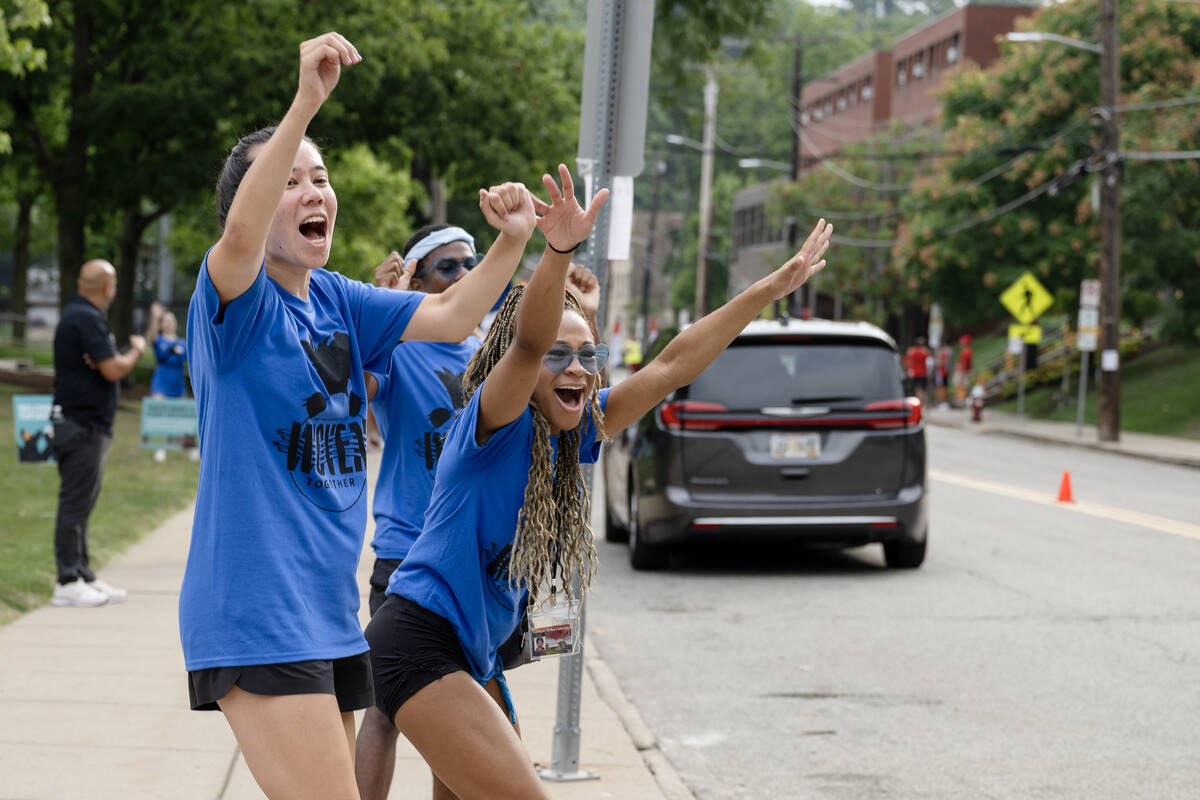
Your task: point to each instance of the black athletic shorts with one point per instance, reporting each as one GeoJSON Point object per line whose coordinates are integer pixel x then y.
{"type": "Point", "coordinates": [411, 647]}
{"type": "Point", "coordinates": [384, 567]}
{"type": "Point", "coordinates": [348, 679]}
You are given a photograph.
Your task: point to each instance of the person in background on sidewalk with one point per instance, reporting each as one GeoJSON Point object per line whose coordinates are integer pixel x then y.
{"type": "Point", "coordinates": [941, 375]}
{"type": "Point", "coordinates": [507, 525]}
{"type": "Point", "coordinates": [962, 369]}
{"type": "Point", "coordinates": [415, 401]}
{"type": "Point", "coordinates": [171, 355]}
{"type": "Point", "coordinates": [268, 609]}
{"type": "Point", "coordinates": [916, 361]}
{"type": "Point", "coordinates": [87, 368]}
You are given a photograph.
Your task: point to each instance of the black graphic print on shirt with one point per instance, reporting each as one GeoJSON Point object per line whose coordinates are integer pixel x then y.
{"type": "Point", "coordinates": [429, 446]}
{"type": "Point", "coordinates": [325, 453]}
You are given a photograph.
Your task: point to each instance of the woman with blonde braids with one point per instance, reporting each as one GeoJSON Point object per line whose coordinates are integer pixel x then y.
{"type": "Point", "coordinates": [509, 509]}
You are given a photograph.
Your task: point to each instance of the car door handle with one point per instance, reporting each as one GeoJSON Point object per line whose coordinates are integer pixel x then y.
{"type": "Point", "coordinates": [794, 473]}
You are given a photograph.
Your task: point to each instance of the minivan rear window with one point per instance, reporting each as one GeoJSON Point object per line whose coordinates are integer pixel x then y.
{"type": "Point", "coordinates": [753, 374]}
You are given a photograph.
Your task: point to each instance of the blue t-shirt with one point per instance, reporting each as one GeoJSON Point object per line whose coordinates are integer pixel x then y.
{"type": "Point", "coordinates": [418, 398]}
{"type": "Point", "coordinates": [458, 567]}
{"type": "Point", "coordinates": [281, 508]}
{"type": "Point", "coordinates": [168, 375]}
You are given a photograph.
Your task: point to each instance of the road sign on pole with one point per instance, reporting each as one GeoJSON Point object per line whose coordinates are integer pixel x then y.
{"type": "Point", "coordinates": [1026, 299]}
{"type": "Point", "coordinates": [628, 87]}
{"type": "Point", "coordinates": [1086, 339]}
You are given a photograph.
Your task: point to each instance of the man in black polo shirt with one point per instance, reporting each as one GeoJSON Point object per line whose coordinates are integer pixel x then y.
{"type": "Point", "coordinates": [87, 367]}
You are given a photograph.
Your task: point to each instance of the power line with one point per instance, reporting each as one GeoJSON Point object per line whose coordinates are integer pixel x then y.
{"type": "Point", "coordinates": [848, 176]}
{"type": "Point", "coordinates": [1164, 155]}
{"type": "Point", "coordinates": [1054, 184]}
{"type": "Point", "coordinates": [972, 184]}
{"type": "Point", "coordinates": [1176, 101]}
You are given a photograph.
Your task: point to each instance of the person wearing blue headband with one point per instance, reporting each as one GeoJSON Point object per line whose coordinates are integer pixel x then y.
{"type": "Point", "coordinates": [415, 400]}
{"type": "Point", "coordinates": [268, 609]}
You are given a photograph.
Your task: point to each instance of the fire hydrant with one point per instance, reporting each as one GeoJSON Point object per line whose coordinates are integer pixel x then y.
{"type": "Point", "coordinates": [977, 403]}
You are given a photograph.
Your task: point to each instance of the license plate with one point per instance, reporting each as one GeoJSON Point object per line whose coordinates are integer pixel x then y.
{"type": "Point", "coordinates": [795, 445]}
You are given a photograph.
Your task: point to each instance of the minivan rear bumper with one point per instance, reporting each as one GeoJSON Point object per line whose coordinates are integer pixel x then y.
{"type": "Point", "coordinates": [678, 518]}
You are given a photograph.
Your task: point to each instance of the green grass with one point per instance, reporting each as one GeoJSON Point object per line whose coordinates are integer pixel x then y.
{"type": "Point", "coordinates": [41, 353]}
{"type": "Point", "coordinates": [1160, 393]}
{"type": "Point", "coordinates": [137, 495]}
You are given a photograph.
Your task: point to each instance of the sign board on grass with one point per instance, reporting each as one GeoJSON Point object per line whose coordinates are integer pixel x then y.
{"type": "Point", "coordinates": [168, 423]}
{"type": "Point", "coordinates": [31, 423]}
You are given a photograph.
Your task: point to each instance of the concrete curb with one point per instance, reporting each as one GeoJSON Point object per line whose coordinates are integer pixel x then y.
{"type": "Point", "coordinates": [987, 429]}
{"type": "Point", "coordinates": [609, 689]}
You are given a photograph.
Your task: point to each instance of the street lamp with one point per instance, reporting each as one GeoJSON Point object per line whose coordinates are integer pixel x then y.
{"type": "Point", "coordinates": [755, 163]}
{"type": "Point", "coordinates": [1108, 396]}
{"type": "Point", "coordinates": [1038, 36]}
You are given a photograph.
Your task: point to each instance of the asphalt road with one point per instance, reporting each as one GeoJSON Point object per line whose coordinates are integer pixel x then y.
{"type": "Point", "coordinates": [1042, 651]}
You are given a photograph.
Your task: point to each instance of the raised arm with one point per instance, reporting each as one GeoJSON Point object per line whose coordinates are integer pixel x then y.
{"type": "Point", "coordinates": [452, 315]}
{"type": "Point", "coordinates": [694, 349]}
{"type": "Point", "coordinates": [234, 261]}
{"type": "Point", "coordinates": [507, 389]}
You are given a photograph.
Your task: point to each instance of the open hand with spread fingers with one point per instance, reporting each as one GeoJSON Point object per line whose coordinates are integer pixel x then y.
{"type": "Point", "coordinates": [563, 222]}
{"type": "Point", "coordinates": [808, 261]}
{"type": "Point", "coordinates": [321, 61]}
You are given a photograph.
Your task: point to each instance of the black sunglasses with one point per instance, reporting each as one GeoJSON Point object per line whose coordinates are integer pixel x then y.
{"type": "Point", "coordinates": [591, 357]}
{"type": "Point", "coordinates": [449, 267]}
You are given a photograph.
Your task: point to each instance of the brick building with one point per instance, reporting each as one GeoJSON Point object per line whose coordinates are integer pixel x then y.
{"type": "Point", "coordinates": [862, 98]}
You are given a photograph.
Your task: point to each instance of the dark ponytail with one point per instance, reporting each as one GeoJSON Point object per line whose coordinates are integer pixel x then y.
{"type": "Point", "coordinates": [236, 164]}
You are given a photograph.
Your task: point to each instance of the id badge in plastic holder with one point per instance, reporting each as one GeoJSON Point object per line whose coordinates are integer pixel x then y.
{"type": "Point", "coordinates": [553, 627]}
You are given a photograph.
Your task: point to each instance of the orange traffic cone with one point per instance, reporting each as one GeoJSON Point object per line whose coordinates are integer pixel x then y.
{"type": "Point", "coordinates": [1064, 489]}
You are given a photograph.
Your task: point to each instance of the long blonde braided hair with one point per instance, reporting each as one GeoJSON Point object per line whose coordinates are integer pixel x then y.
{"type": "Point", "coordinates": [552, 525]}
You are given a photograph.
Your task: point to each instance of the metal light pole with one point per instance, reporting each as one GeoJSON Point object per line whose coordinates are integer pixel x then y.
{"type": "Point", "coordinates": [1108, 396]}
{"type": "Point", "coordinates": [797, 120]}
{"type": "Point", "coordinates": [706, 177]}
{"type": "Point", "coordinates": [659, 168]}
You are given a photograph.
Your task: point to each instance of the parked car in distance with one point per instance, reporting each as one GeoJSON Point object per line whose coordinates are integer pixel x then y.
{"type": "Point", "coordinates": [801, 428]}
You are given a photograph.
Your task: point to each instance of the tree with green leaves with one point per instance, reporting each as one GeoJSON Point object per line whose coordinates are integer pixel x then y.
{"type": "Point", "coordinates": [18, 54]}
{"type": "Point", "coordinates": [1025, 126]}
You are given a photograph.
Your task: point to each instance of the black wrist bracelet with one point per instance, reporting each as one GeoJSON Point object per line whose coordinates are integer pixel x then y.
{"type": "Point", "coordinates": [563, 252]}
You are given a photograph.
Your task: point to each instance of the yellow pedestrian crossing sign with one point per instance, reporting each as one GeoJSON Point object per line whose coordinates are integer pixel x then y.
{"type": "Point", "coordinates": [1030, 334]}
{"type": "Point", "coordinates": [1026, 299]}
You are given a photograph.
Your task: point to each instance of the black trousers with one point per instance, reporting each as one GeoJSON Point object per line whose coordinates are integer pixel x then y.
{"type": "Point", "coordinates": [80, 453]}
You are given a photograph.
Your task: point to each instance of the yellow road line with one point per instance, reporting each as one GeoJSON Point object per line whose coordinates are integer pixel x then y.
{"type": "Point", "coordinates": [1150, 521]}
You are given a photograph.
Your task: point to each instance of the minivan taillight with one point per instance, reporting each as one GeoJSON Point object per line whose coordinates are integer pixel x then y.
{"type": "Point", "coordinates": [910, 405]}
{"type": "Point", "coordinates": [676, 415]}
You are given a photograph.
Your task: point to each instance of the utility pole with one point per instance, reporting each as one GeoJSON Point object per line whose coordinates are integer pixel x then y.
{"type": "Point", "coordinates": [796, 298]}
{"type": "Point", "coordinates": [706, 176]}
{"type": "Point", "coordinates": [1108, 397]}
{"type": "Point", "coordinates": [660, 167]}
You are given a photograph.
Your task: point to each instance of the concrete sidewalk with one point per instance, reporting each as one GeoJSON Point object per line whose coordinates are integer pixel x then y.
{"type": "Point", "coordinates": [1167, 449]}
{"type": "Point", "coordinates": [94, 704]}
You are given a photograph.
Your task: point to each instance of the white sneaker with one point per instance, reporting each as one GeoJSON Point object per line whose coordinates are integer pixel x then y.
{"type": "Point", "coordinates": [77, 593]}
{"type": "Point", "coordinates": [160, 455]}
{"type": "Point", "coordinates": [111, 593]}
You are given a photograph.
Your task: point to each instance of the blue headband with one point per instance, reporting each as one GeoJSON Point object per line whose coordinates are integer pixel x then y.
{"type": "Point", "coordinates": [436, 239]}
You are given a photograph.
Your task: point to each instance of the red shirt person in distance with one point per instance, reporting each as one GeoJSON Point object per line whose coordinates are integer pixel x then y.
{"type": "Point", "coordinates": [916, 361]}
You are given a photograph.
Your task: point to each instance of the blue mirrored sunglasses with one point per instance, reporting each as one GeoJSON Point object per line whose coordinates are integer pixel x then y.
{"type": "Point", "coordinates": [449, 267]}
{"type": "Point", "coordinates": [592, 357]}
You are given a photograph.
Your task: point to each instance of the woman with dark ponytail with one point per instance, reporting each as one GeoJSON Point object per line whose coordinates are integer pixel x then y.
{"type": "Point", "coordinates": [278, 346]}
{"type": "Point", "coordinates": [507, 525]}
